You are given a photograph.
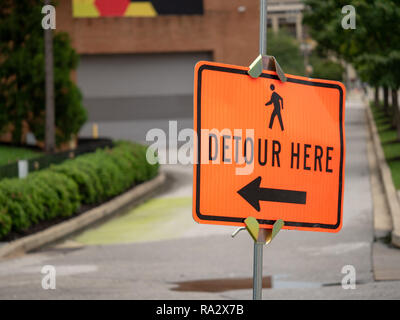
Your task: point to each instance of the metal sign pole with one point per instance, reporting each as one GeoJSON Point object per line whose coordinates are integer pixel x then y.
{"type": "Point", "coordinates": [261, 236]}
{"type": "Point", "coordinates": [258, 263]}
{"type": "Point", "coordinates": [257, 270]}
{"type": "Point", "coordinates": [259, 244]}
{"type": "Point", "coordinates": [263, 27]}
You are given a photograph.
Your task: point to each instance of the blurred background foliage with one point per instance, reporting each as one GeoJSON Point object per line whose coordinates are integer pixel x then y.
{"type": "Point", "coordinates": [22, 94]}
{"type": "Point", "coordinates": [287, 49]}
{"type": "Point", "coordinates": [372, 48]}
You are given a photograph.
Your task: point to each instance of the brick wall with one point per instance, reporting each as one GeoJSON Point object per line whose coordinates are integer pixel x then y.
{"type": "Point", "coordinates": [231, 36]}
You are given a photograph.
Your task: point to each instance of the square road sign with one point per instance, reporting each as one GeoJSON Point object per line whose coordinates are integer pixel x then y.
{"type": "Point", "coordinates": [268, 149]}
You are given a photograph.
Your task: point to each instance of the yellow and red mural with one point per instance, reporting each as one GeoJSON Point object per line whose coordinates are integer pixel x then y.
{"type": "Point", "coordinates": [134, 8]}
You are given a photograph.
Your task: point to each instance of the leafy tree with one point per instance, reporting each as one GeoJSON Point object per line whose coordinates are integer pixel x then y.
{"type": "Point", "coordinates": [22, 76]}
{"type": "Point", "coordinates": [286, 49]}
{"type": "Point", "coordinates": [373, 48]}
{"type": "Point", "coordinates": [378, 43]}
{"type": "Point", "coordinates": [324, 19]}
{"type": "Point", "coordinates": [324, 68]}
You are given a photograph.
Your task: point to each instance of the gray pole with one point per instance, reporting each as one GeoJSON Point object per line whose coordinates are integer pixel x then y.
{"type": "Point", "coordinates": [257, 270]}
{"type": "Point", "coordinates": [263, 27]}
{"type": "Point", "coordinates": [49, 74]}
{"type": "Point", "coordinates": [259, 244]}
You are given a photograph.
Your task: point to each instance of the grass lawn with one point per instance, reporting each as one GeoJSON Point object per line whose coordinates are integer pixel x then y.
{"type": "Point", "coordinates": [390, 142]}
{"type": "Point", "coordinates": [11, 154]}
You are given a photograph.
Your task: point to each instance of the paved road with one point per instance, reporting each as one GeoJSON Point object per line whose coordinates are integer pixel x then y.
{"type": "Point", "coordinates": [115, 262]}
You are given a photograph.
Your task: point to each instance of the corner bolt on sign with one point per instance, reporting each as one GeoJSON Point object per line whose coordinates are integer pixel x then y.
{"type": "Point", "coordinates": [268, 149]}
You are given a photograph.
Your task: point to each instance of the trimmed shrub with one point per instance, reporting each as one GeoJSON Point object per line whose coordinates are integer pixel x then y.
{"type": "Point", "coordinates": [136, 153]}
{"type": "Point", "coordinates": [59, 190]}
{"type": "Point", "coordinates": [20, 205]}
{"type": "Point", "coordinates": [60, 193]}
{"type": "Point", "coordinates": [41, 196]}
{"type": "Point", "coordinates": [20, 220]}
{"type": "Point", "coordinates": [107, 172]}
{"type": "Point", "coordinates": [5, 219]}
{"type": "Point", "coordinates": [84, 177]}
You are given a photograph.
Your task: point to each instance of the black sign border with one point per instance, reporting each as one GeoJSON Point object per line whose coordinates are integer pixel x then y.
{"type": "Point", "coordinates": [261, 221]}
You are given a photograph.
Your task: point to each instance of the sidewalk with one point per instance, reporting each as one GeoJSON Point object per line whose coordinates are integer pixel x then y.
{"type": "Point", "coordinates": [385, 257]}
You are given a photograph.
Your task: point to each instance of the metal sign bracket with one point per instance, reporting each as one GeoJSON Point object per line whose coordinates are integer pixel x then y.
{"type": "Point", "coordinates": [261, 237]}
{"type": "Point", "coordinates": [264, 62]}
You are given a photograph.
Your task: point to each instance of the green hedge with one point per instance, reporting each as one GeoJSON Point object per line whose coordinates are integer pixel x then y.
{"type": "Point", "coordinates": [59, 190]}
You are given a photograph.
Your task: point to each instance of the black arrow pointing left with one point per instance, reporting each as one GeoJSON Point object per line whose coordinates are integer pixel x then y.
{"type": "Point", "coordinates": [253, 194]}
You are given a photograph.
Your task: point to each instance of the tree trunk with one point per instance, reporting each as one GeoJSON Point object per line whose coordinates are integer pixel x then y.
{"type": "Point", "coordinates": [395, 117]}
{"type": "Point", "coordinates": [386, 99]}
{"type": "Point", "coordinates": [376, 97]}
{"type": "Point", "coordinates": [396, 114]}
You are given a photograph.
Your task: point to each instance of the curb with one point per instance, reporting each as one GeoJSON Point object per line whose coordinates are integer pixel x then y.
{"type": "Point", "coordinates": [73, 225]}
{"type": "Point", "coordinates": [388, 185]}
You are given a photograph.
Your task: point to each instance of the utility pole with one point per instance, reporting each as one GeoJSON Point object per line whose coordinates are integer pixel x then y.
{"type": "Point", "coordinates": [49, 87]}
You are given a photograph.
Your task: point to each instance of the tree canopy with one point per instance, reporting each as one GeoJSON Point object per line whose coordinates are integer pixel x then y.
{"type": "Point", "coordinates": [22, 76]}
{"type": "Point", "coordinates": [373, 47]}
{"type": "Point", "coordinates": [286, 49]}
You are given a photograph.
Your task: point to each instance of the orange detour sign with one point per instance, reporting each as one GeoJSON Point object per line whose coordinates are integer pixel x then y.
{"type": "Point", "coordinates": [268, 149]}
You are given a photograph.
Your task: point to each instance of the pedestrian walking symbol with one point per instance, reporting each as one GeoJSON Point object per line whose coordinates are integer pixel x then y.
{"type": "Point", "coordinates": [277, 100]}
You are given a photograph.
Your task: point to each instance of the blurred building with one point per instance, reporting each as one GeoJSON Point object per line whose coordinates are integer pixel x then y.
{"type": "Point", "coordinates": [142, 53]}
{"type": "Point", "coordinates": [286, 14]}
